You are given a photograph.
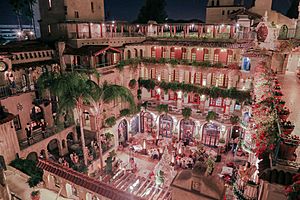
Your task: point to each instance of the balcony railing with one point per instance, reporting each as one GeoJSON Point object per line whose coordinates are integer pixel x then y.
{"type": "Point", "coordinates": [7, 90]}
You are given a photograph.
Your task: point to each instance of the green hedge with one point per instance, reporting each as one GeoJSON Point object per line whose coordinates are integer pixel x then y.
{"type": "Point", "coordinates": [134, 62]}
{"type": "Point", "coordinates": [213, 92]}
{"type": "Point", "coordinates": [29, 167]}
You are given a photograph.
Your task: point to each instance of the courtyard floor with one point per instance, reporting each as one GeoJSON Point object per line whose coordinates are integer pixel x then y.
{"type": "Point", "coordinates": [290, 86]}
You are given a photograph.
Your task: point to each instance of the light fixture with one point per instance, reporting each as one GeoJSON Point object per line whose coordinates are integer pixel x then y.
{"type": "Point", "coordinates": [144, 144]}
{"type": "Point", "coordinates": [19, 33]}
{"type": "Point", "coordinates": [237, 25]}
{"type": "Point", "coordinates": [31, 33]}
{"type": "Point", "coordinates": [138, 26]}
{"type": "Point", "coordinates": [113, 22]}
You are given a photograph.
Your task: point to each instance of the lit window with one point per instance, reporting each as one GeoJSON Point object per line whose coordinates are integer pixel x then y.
{"type": "Point", "coordinates": [49, 29]}
{"type": "Point", "coordinates": [219, 101]}
{"type": "Point", "coordinates": [206, 57]}
{"type": "Point", "coordinates": [76, 14]}
{"type": "Point", "coordinates": [221, 80]}
{"type": "Point", "coordinates": [216, 58]}
{"type": "Point", "coordinates": [223, 12]}
{"type": "Point", "coordinates": [172, 54]}
{"type": "Point", "coordinates": [153, 52]}
{"type": "Point", "coordinates": [229, 59]}
{"type": "Point", "coordinates": [193, 56]}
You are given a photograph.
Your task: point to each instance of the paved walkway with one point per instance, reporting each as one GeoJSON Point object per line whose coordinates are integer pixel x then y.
{"type": "Point", "coordinates": [290, 86]}
{"type": "Point", "coordinates": [17, 183]}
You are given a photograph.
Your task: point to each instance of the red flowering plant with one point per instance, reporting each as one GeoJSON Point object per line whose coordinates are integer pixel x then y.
{"type": "Point", "coordinates": [264, 112]}
{"type": "Point", "coordinates": [293, 191]}
{"type": "Point", "coordinates": [293, 140]}
{"type": "Point", "coordinates": [286, 127]}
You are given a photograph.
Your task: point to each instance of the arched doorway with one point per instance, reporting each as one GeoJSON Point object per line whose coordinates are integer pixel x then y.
{"type": "Point", "coordinates": [236, 132]}
{"type": "Point", "coordinates": [136, 53]}
{"type": "Point", "coordinates": [71, 191]}
{"type": "Point", "coordinates": [187, 128]}
{"type": "Point", "coordinates": [32, 156]}
{"type": "Point", "coordinates": [283, 33]}
{"type": "Point", "coordinates": [210, 134]}
{"type": "Point", "coordinates": [70, 139]}
{"type": "Point", "coordinates": [146, 122]}
{"type": "Point", "coordinates": [123, 131]}
{"type": "Point", "coordinates": [134, 125]}
{"type": "Point", "coordinates": [165, 125]}
{"type": "Point", "coordinates": [54, 148]}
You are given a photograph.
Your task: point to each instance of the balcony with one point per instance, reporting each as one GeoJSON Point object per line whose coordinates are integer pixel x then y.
{"type": "Point", "coordinates": [7, 90]}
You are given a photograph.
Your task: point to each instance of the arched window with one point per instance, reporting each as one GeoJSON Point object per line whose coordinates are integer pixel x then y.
{"type": "Point", "coordinates": [141, 53]}
{"type": "Point", "coordinates": [128, 54]}
{"type": "Point", "coordinates": [184, 54]}
{"type": "Point", "coordinates": [216, 55]}
{"type": "Point", "coordinates": [172, 53]}
{"type": "Point", "coordinates": [205, 55]}
{"type": "Point", "coordinates": [153, 52]}
{"type": "Point", "coordinates": [193, 54]}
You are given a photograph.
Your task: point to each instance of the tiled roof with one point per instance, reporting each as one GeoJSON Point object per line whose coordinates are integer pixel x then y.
{"type": "Point", "coordinates": [24, 46]}
{"type": "Point", "coordinates": [90, 50]}
{"type": "Point", "coordinates": [86, 182]}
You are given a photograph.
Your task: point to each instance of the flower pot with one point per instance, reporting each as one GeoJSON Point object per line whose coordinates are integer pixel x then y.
{"type": "Point", "coordinates": [287, 131]}
{"type": "Point", "coordinates": [287, 151]}
{"type": "Point", "coordinates": [284, 117]}
{"type": "Point", "coordinates": [35, 197]}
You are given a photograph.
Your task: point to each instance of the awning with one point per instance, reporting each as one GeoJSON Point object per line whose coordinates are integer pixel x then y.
{"type": "Point", "coordinates": [91, 50]}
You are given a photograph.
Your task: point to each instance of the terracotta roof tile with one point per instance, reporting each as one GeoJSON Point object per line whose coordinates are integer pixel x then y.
{"type": "Point", "coordinates": [84, 181]}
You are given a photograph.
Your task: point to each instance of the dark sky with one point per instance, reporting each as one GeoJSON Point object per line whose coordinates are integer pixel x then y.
{"type": "Point", "coordinates": [128, 9]}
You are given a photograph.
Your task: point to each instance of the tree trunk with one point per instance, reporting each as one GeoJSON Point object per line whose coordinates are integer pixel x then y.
{"type": "Point", "coordinates": [98, 135]}
{"type": "Point", "coordinates": [99, 140]}
{"type": "Point", "coordinates": [79, 111]}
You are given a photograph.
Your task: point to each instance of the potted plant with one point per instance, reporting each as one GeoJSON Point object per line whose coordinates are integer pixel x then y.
{"type": "Point", "coordinates": [284, 113]}
{"type": "Point", "coordinates": [186, 113]}
{"type": "Point", "coordinates": [281, 103]}
{"type": "Point", "coordinates": [35, 195]}
{"type": "Point", "coordinates": [211, 115]}
{"type": "Point", "coordinates": [234, 119]}
{"type": "Point", "coordinates": [111, 121]}
{"type": "Point", "coordinates": [288, 147]}
{"type": "Point", "coordinates": [132, 83]}
{"type": "Point", "coordinates": [287, 127]}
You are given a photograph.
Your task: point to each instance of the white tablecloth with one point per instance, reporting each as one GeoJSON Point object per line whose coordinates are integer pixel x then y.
{"type": "Point", "coordinates": [137, 148]}
{"type": "Point", "coordinates": [227, 170]}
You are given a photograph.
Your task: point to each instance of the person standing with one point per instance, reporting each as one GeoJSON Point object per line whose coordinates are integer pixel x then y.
{"type": "Point", "coordinates": [28, 133]}
{"type": "Point", "coordinates": [43, 127]}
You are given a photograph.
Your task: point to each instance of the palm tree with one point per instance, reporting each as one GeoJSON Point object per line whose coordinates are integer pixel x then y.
{"type": "Point", "coordinates": [73, 90]}
{"type": "Point", "coordinates": [24, 8]}
{"type": "Point", "coordinates": [109, 93]}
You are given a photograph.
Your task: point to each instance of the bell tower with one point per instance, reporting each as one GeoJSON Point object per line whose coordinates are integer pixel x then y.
{"type": "Point", "coordinates": [261, 6]}
{"type": "Point", "coordinates": [218, 11]}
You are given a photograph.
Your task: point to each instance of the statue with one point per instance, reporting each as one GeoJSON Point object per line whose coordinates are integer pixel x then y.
{"type": "Point", "coordinates": [109, 161]}
{"type": "Point", "coordinates": [159, 178]}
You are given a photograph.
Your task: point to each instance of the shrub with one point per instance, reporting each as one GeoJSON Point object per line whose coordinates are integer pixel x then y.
{"type": "Point", "coordinates": [132, 83]}
{"type": "Point", "coordinates": [124, 112]}
{"type": "Point", "coordinates": [186, 112]}
{"type": "Point", "coordinates": [111, 121]}
{"type": "Point", "coordinates": [29, 167]}
{"type": "Point", "coordinates": [234, 119]}
{"type": "Point", "coordinates": [162, 108]}
{"type": "Point", "coordinates": [211, 115]}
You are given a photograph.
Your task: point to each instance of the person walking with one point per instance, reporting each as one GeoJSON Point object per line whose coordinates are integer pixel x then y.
{"type": "Point", "coordinates": [43, 125]}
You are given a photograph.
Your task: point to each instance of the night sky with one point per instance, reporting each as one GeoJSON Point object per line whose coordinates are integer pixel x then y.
{"type": "Point", "coordinates": [128, 9]}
